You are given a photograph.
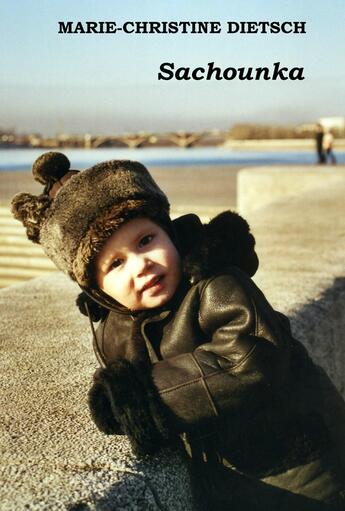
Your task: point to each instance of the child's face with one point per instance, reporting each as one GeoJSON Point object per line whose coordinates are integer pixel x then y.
{"type": "Point", "coordinates": [139, 265]}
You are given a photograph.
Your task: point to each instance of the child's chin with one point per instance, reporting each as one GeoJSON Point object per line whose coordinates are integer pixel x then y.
{"type": "Point", "coordinates": [154, 301]}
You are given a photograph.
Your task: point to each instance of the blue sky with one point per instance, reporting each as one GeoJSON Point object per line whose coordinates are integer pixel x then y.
{"type": "Point", "coordinates": [108, 83]}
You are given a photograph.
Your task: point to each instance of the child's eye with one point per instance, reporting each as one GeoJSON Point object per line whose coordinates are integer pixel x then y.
{"type": "Point", "coordinates": [116, 263]}
{"type": "Point", "coordinates": [145, 240]}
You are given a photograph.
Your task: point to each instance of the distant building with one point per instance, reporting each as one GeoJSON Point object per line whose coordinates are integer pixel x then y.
{"type": "Point", "coordinates": [308, 128]}
{"type": "Point", "coordinates": [335, 123]}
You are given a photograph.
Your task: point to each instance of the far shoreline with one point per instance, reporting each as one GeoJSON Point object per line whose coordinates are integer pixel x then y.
{"type": "Point", "coordinates": [288, 144]}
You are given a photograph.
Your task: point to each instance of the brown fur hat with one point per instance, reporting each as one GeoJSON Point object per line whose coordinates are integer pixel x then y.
{"type": "Point", "coordinates": [93, 203]}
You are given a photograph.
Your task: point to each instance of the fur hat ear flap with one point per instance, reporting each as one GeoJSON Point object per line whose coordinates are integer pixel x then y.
{"type": "Point", "coordinates": [31, 210]}
{"type": "Point", "coordinates": [50, 167]}
{"type": "Point", "coordinates": [224, 242]}
{"type": "Point", "coordinates": [230, 242]}
{"type": "Point", "coordinates": [188, 232]}
{"type": "Point", "coordinates": [96, 311]}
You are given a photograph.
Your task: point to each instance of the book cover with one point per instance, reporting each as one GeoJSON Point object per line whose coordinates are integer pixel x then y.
{"type": "Point", "coordinates": [231, 105]}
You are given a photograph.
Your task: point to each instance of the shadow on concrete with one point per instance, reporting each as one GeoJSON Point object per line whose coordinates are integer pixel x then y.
{"type": "Point", "coordinates": [320, 326]}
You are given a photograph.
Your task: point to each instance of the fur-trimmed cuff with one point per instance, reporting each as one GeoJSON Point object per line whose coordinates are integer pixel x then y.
{"type": "Point", "coordinates": [135, 405]}
{"type": "Point", "coordinates": [101, 412]}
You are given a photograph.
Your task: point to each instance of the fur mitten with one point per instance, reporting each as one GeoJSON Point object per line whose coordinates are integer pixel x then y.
{"type": "Point", "coordinates": [134, 402]}
{"type": "Point", "coordinates": [101, 412]}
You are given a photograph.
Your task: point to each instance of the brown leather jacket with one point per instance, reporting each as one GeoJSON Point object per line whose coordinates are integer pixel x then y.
{"type": "Point", "coordinates": [250, 404]}
{"type": "Point", "coordinates": [216, 343]}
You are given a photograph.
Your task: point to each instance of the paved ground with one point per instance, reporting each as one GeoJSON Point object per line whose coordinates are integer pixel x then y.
{"type": "Point", "coordinates": [52, 456]}
{"type": "Point", "coordinates": [301, 246]}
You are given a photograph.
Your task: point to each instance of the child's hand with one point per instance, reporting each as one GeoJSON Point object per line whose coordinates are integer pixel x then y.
{"type": "Point", "coordinates": [59, 184]}
{"type": "Point", "coordinates": [101, 412]}
{"type": "Point", "coordinates": [123, 399]}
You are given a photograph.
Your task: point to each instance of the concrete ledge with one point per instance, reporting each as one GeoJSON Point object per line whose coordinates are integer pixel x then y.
{"type": "Point", "coordinates": [52, 456]}
{"type": "Point", "coordinates": [257, 187]}
{"type": "Point", "coordinates": [301, 246]}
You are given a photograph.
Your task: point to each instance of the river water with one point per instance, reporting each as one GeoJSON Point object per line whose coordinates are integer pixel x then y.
{"type": "Point", "coordinates": [22, 159]}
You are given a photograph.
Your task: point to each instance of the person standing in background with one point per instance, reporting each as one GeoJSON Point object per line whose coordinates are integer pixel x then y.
{"type": "Point", "coordinates": [327, 146]}
{"type": "Point", "coordinates": [319, 143]}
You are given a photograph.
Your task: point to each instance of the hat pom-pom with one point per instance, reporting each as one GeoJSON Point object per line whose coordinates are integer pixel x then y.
{"type": "Point", "coordinates": [50, 167]}
{"type": "Point", "coordinates": [31, 211]}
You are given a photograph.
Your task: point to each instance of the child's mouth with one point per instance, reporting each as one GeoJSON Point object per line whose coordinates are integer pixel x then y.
{"type": "Point", "coordinates": [153, 285]}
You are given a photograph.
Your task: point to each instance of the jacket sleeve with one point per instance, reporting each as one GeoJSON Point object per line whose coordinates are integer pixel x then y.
{"type": "Point", "coordinates": [245, 355]}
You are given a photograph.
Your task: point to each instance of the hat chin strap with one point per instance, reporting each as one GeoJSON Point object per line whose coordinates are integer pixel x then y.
{"type": "Point", "coordinates": [99, 356]}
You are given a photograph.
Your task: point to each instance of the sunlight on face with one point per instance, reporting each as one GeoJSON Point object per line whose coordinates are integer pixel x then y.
{"type": "Point", "coordinates": [139, 265]}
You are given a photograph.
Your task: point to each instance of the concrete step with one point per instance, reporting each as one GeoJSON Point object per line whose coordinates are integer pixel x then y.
{"type": "Point", "coordinates": [9, 276]}
{"type": "Point", "coordinates": [12, 229]}
{"type": "Point", "coordinates": [9, 281]}
{"type": "Point", "coordinates": [14, 239]}
{"type": "Point", "coordinates": [9, 219]}
{"type": "Point", "coordinates": [5, 214]}
{"type": "Point", "coordinates": [22, 261]}
{"type": "Point", "coordinates": [5, 211]}
{"type": "Point", "coordinates": [24, 273]}
{"type": "Point", "coordinates": [29, 250]}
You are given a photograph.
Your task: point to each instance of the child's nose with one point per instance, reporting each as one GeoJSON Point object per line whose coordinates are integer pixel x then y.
{"type": "Point", "coordinates": [140, 264]}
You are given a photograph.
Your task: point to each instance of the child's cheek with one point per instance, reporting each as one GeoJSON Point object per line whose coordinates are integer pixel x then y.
{"type": "Point", "coordinates": [124, 281]}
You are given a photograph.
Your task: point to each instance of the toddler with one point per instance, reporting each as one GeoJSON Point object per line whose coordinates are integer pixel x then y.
{"type": "Point", "coordinates": [191, 352]}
